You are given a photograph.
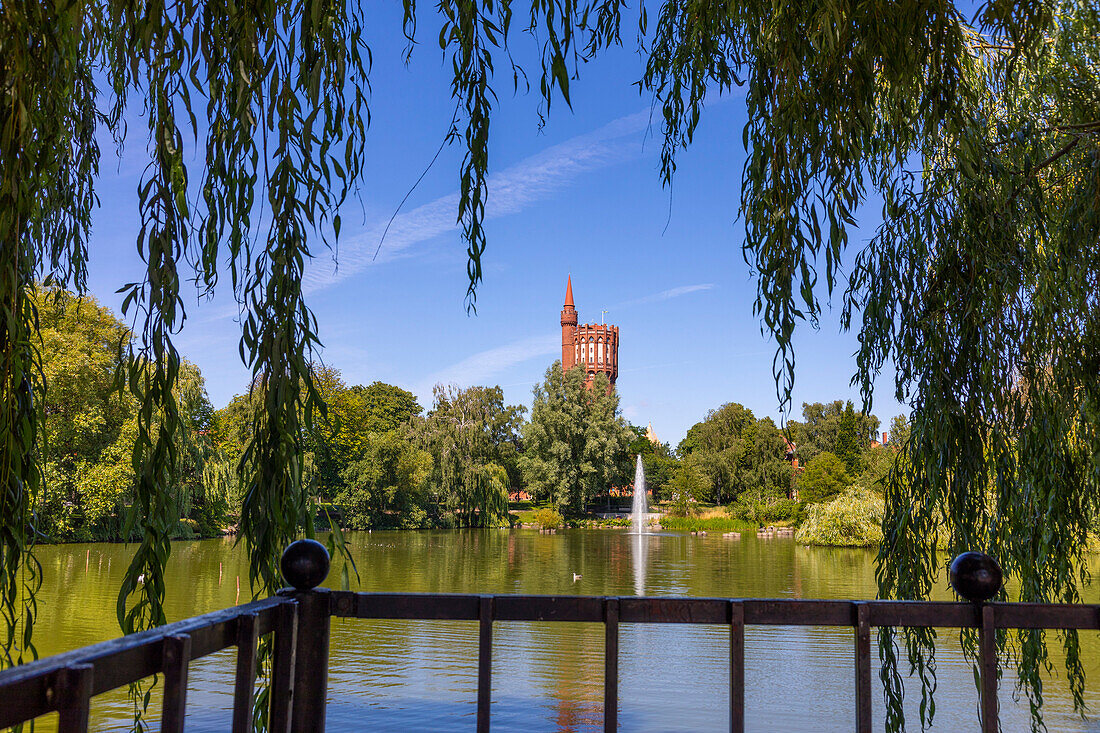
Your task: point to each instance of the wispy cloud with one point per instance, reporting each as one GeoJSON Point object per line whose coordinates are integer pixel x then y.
{"type": "Point", "coordinates": [510, 191]}
{"type": "Point", "coordinates": [482, 366]}
{"type": "Point", "coordinates": [668, 294]}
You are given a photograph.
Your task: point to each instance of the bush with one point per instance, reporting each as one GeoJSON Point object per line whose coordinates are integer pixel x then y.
{"type": "Point", "coordinates": [853, 519]}
{"type": "Point", "coordinates": [766, 511]}
{"type": "Point", "coordinates": [708, 524]}
{"type": "Point", "coordinates": [825, 477]}
{"type": "Point", "coordinates": [598, 523]}
{"type": "Point", "coordinates": [548, 518]}
{"type": "Point", "coordinates": [187, 529]}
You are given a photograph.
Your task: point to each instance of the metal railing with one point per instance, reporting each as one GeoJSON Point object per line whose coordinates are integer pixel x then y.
{"type": "Point", "coordinates": [300, 620]}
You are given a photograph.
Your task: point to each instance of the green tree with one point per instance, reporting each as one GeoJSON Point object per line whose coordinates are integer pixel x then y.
{"type": "Point", "coordinates": [660, 466]}
{"type": "Point", "coordinates": [849, 440]}
{"type": "Point", "coordinates": [690, 485]}
{"type": "Point", "coordinates": [822, 427]}
{"type": "Point", "coordinates": [231, 425]}
{"type": "Point", "coordinates": [739, 453]}
{"type": "Point", "coordinates": [719, 430]}
{"type": "Point", "coordinates": [850, 519]}
{"type": "Point", "coordinates": [899, 431]}
{"type": "Point", "coordinates": [575, 445]}
{"type": "Point", "coordinates": [387, 486]}
{"type": "Point", "coordinates": [658, 460]}
{"type": "Point", "coordinates": [825, 476]}
{"type": "Point", "coordinates": [338, 437]}
{"type": "Point", "coordinates": [203, 501]}
{"type": "Point", "coordinates": [92, 428]}
{"type": "Point", "coordinates": [83, 416]}
{"type": "Point", "coordinates": [385, 407]}
{"type": "Point", "coordinates": [975, 127]}
{"type": "Point", "coordinates": [473, 438]}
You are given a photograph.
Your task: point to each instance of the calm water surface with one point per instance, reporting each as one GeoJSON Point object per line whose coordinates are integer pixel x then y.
{"type": "Point", "coordinates": [411, 676]}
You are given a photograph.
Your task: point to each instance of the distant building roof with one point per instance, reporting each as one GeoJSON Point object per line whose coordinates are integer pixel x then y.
{"type": "Point", "coordinates": [652, 436]}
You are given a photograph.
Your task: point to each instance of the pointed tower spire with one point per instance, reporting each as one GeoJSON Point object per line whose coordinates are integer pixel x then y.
{"type": "Point", "coordinates": [568, 328]}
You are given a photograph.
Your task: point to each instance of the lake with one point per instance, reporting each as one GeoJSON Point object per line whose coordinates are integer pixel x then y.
{"type": "Point", "coordinates": [408, 676]}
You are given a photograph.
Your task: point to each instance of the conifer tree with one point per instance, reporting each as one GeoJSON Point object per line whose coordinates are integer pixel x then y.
{"type": "Point", "coordinates": [848, 444]}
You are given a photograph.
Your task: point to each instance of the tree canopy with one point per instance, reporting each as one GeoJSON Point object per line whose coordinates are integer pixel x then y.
{"type": "Point", "coordinates": [91, 427]}
{"type": "Point", "coordinates": [830, 427]}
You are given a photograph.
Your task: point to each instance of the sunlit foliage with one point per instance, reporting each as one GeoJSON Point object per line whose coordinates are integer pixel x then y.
{"type": "Point", "coordinates": [738, 453]}
{"type": "Point", "coordinates": [851, 519]}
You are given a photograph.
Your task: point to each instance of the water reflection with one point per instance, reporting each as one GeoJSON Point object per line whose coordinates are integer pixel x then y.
{"type": "Point", "coordinates": [403, 676]}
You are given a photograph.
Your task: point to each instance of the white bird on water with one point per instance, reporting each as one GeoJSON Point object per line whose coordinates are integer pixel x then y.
{"type": "Point", "coordinates": [576, 577]}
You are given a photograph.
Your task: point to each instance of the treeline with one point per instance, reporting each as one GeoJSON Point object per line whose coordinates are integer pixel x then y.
{"type": "Point", "coordinates": [375, 458]}
{"type": "Point", "coordinates": [763, 473]}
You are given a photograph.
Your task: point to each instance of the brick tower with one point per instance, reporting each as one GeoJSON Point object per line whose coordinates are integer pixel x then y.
{"type": "Point", "coordinates": [592, 345]}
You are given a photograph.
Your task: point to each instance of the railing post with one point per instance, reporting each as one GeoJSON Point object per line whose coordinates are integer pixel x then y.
{"type": "Point", "coordinates": [281, 695]}
{"type": "Point", "coordinates": [863, 668]}
{"type": "Point", "coordinates": [611, 665]}
{"type": "Point", "coordinates": [987, 651]}
{"type": "Point", "coordinates": [737, 667]}
{"type": "Point", "coordinates": [977, 577]}
{"type": "Point", "coordinates": [243, 696]}
{"type": "Point", "coordinates": [305, 565]}
{"type": "Point", "coordinates": [484, 663]}
{"type": "Point", "coordinates": [177, 657]}
{"type": "Point", "coordinates": [311, 662]}
{"type": "Point", "coordinates": [74, 690]}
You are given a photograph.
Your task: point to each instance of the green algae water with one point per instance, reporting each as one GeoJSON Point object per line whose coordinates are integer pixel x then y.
{"type": "Point", "coordinates": [422, 676]}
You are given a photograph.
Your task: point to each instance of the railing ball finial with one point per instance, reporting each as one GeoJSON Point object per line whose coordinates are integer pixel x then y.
{"type": "Point", "coordinates": [975, 576]}
{"type": "Point", "coordinates": [305, 564]}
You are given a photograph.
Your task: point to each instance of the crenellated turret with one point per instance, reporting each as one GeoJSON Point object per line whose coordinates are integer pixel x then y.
{"type": "Point", "coordinates": [593, 345]}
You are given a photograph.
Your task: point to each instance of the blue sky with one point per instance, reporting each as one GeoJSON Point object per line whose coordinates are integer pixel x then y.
{"type": "Point", "coordinates": [581, 196]}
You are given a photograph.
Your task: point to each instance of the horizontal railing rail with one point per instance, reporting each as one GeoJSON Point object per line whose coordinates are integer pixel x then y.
{"type": "Point", "coordinates": [757, 611]}
{"type": "Point", "coordinates": [300, 623]}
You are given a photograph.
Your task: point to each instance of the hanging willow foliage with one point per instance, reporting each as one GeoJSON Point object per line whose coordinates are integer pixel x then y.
{"type": "Point", "coordinates": [980, 135]}
{"type": "Point", "coordinates": [284, 85]}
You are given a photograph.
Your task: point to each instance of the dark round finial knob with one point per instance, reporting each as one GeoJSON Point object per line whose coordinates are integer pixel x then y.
{"type": "Point", "coordinates": [305, 564]}
{"type": "Point", "coordinates": [975, 576]}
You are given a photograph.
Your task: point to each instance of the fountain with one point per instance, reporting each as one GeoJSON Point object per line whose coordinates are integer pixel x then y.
{"type": "Point", "coordinates": [639, 510]}
{"type": "Point", "coordinates": [639, 513]}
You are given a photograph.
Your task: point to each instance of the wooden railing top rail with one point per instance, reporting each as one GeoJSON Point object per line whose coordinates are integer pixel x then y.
{"type": "Point", "coordinates": [757, 611]}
